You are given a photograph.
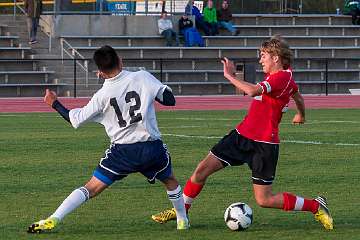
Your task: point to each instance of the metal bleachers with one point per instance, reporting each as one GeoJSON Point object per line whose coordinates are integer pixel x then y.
{"type": "Point", "coordinates": [298, 30]}
{"type": "Point", "coordinates": [2, 27]}
{"type": "Point", "coordinates": [213, 41]}
{"type": "Point", "coordinates": [218, 52]}
{"type": "Point", "coordinates": [326, 47]}
{"type": "Point", "coordinates": [6, 41]}
{"type": "Point", "coordinates": [14, 52]}
{"type": "Point", "coordinates": [291, 19]}
{"type": "Point", "coordinates": [25, 79]}
{"type": "Point", "coordinates": [29, 89]}
{"type": "Point", "coordinates": [19, 74]}
{"type": "Point", "coordinates": [28, 77]}
{"type": "Point", "coordinates": [192, 71]}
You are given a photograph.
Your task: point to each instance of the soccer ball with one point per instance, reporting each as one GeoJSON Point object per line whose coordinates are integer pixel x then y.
{"type": "Point", "coordinates": [238, 216]}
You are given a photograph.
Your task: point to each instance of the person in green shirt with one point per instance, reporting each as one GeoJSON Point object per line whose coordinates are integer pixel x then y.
{"type": "Point", "coordinates": [210, 18]}
{"type": "Point", "coordinates": [352, 7]}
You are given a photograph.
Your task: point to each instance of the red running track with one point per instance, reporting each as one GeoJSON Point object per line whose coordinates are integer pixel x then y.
{"type": "Point", "coordinates": [12, 105]}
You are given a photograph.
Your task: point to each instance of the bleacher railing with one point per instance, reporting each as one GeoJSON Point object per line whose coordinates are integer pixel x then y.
{"type": "Point", "coordinates": [74, 54]}
{"type": "Point", "coordinates": [160, 69]}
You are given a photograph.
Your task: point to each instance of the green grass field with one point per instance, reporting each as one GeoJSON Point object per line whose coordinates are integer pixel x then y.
{"type": "Point", "coordinates": [43, 159]}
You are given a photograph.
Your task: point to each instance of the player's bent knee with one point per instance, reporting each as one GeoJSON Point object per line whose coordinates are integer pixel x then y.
{"type": "Point", "coordinates": [205, 168]}
{"type": "Point", "coordinates": [95, 191]}
{"type": "Point", "coordinates": [95, 186]}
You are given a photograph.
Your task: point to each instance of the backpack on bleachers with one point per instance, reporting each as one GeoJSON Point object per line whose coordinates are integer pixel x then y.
{"type": "Point", "coordinates": [193, 38]}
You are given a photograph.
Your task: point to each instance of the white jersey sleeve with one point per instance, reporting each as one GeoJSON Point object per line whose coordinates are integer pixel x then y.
{"type": "Point", "coordinates": [154, 85]}
{"type": "Point", "coordinates": [88, 113]}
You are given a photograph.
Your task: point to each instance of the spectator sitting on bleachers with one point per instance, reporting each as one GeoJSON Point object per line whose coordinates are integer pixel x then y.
{"type": "Point", "coordinates": [191, 35]}
{"type": "Point", "coordinates": [184, 23]}
{"type": "Point", "coordinates": [224, 17]}
{"type": "Point", "coordinates": [210, 18]}
{"type": "Point", "coordinates": [352, 7]}
{"type": "Point", "coordinates": [166, 29]}
{"type": "Point", "coordinates": [191, 9]}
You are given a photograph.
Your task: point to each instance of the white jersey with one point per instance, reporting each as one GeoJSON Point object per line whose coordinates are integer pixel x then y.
{"type": "Point", "coordinates": [125, 107]}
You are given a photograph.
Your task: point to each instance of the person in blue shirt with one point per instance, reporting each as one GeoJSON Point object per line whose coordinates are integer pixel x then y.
{"type": "Point", "coordinates": [191, 9]}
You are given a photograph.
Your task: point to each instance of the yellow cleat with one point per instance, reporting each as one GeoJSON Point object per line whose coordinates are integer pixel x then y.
{"type": "Point", "coordinates": [183, 224]}
{"type": "Point", "coordinates": [323, 214]}
{"type": "Point", "coordinates": [43, 225]}
{"type": "Point", "coordinates": [165, 216]}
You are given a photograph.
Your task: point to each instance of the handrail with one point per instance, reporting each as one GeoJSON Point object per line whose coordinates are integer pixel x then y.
{"type": "Point", "coordinates": [324, 77]}
{"type": "Point", "coordinates": [73, 55]}
{"type": "Point", "coordinates": [46, 33]}
{"type": "Point", "coordinates": [42, 19]}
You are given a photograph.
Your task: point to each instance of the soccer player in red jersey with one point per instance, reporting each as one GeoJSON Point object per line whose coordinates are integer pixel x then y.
{"type": "Point", "coordinates": [255, 140]}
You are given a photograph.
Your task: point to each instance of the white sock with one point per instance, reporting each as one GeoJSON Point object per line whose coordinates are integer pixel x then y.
{"type": "Point", "coordinates": [74, 200]}
{"type": "Point", "coordinates": [176, 198]}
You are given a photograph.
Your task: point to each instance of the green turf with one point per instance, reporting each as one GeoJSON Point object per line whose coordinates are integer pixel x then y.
{"type": "Point", "coordinates": [43, 159]}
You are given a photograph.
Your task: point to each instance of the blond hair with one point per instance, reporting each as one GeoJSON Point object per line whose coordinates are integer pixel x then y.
{"type": "Point", "coordinates": [276, 46]}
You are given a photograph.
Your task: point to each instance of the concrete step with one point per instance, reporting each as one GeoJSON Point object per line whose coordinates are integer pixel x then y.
{"type": "Point", "coordinates": [18, 30]}
{"type": "Point", "coordinates": [44, 56]}
{"type": "Point", "coordinates": [31, 90]}
{"type": "Point", "coordinates": [41, 51]}
{"type": "Point", "coordinates": [10, 17]}
{"type": "Point", "coordinates": [19, 66]}
{"type": "Point", "coordinates": [84, 93]}
{"type": "Point", "coordinates": [69, 78]}
{"type": "Point", "coordinates": [25, 34]}
{"type": "Point", "coordinates": [38, 51]}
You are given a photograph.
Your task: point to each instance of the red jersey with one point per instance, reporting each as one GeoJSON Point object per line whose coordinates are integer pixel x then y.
{"type": "Point", "coordinates": [261, 124]}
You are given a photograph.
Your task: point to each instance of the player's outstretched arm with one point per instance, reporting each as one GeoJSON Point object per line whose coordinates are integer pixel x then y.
{"type": "Point", "coordinates": [299, 117]}
{"type": "Point", "coordinates": [166, 98]}
{"type": "Point", "coordinates": [248, 88]}
{"type": "Point", "coordinates": [51, 99]}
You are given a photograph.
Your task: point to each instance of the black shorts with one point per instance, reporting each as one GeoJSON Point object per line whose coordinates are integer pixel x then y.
{"type": "Point", "coordinates": [235, 150]}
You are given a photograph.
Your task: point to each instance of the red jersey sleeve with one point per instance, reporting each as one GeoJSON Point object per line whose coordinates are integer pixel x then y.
{"type": "Point", "coordinates": [279, 83]}
{"type": "Point", "coordinates": [295, 89]}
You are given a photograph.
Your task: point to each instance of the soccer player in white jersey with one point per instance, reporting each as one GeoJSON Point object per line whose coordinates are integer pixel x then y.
{"type": "Point", "coordinates": [125, 107]}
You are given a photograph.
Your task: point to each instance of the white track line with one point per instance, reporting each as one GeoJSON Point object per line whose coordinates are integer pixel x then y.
{"type": "Point", "coordinates": [190, 136]}
{"type": "Point", "coordinates": [201, 119]}
{"type": "Point", "coordinates": [28, 115]}
{"type": "Point", "coordinates": [181, 126]}
{"type": "Point", "coordinates": [283, 141]}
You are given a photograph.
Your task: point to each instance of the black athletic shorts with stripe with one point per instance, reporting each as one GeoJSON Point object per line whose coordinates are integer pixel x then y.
{"type": "Point", "coordinates": [234, 150]}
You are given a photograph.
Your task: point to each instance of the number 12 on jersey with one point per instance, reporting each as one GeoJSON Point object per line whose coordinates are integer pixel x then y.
{"type": "Point", "coordinates": [133, 118]}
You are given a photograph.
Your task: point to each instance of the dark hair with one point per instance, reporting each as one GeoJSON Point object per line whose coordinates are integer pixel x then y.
{"type": "Point", "coordinates": [277, 46]}
{"type": "Point", "coordinates": [106, 59]}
